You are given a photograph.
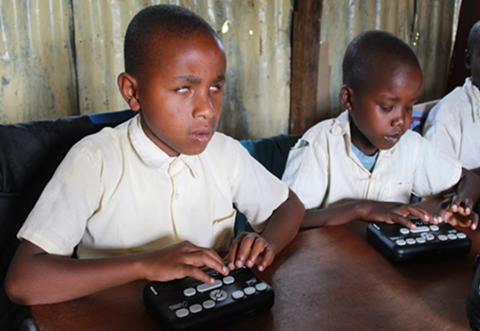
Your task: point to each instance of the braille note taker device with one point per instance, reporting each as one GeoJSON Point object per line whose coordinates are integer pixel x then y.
{"type": "Point", "coordinates": [188, 304]}
{"type": "Point", "coordinates": [427, 242]}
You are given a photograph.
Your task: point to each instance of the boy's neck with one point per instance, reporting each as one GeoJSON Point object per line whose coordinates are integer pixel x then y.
{"type": "Point", "coordinates": [360, 141]}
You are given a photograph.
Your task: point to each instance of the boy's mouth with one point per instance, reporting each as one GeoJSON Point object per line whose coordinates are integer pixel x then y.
{"type": "Point", "coordinates": [393, 139]}
{"type": "Point", "coordinates": [202, 137]}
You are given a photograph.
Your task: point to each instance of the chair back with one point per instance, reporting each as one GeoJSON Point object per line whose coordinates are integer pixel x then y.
{"type": "Point", "coordinates": [29, 154]}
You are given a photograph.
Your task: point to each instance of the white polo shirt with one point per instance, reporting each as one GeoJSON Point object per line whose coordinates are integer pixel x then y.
{"type": "Point", "coordinates": [116, 192]}
{"type": "Point", "coordinates": [323, 170]}
{"type": "Point", "coordinates": [453, 125]}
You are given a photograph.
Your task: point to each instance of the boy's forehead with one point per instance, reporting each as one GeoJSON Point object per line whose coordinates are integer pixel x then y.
{"type": "Point", "coordinates": [162, 43]}
{"type": "Point", "coordinates": [169, 52]}
{"type": "Point", "coordinates": [386, 72]}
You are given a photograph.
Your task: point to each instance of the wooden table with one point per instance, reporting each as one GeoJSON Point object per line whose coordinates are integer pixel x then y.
{"type": "Point", "coordinates": [326, 279]}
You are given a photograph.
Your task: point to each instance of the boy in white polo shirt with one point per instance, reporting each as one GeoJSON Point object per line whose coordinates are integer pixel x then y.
{"type": "Point", "coordinates": [453, 125]}
{"type": "Point", "coordinates": [366, 163]}
{"type": "Point", "coordinates": [153, 198]}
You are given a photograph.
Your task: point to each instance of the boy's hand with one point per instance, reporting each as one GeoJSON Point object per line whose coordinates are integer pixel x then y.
{"type": "Point", "coordinates": [392, 212]}
{"type": "Point", "coordinates": [180, 261]}
{"type": "Point", "coordinates": [250, 249]}
{"type": "Point", "coordinates": [458, 212]}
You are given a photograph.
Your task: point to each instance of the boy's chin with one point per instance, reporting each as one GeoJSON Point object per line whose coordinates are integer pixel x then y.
{"type": "Point", "coordinates": [194, 150]}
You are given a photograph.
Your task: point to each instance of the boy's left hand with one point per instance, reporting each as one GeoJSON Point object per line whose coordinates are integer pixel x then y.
{"type": "Point", "coordinates": [250, 249]}
{"type": "Point", "coordinates": [458, 212]}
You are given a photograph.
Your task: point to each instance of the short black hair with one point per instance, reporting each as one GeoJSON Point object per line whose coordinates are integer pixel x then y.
{"type": "Point", "coordinates": [367, 50]}
{"type": "Point", "coordinates": [154, 21]}
{"type": "Point", "coordinates": [474, 37]}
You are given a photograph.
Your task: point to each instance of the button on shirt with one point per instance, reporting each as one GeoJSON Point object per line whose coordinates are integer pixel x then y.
{"type": "Point", "coordinates": [453, 125]}
{"type": "Point", "coordinates": [116, 192]}
{"type": "Point", "coordinates": [323, 170]}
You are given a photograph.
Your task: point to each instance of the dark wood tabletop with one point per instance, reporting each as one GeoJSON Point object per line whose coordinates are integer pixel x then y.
{"type": "Point", "coordinates": [327, 279]}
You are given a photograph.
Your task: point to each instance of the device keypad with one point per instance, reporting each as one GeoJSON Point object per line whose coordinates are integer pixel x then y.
{"type": "Point", "coordinates": [424, 234]}
{"type": "Point", "coordinates": [218, 293]}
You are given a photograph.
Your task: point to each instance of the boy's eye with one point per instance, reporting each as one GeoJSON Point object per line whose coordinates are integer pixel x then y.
{"type": "Point", "coordinates": [386, 108]}
{"type": "Point", "coordinates": [216, 88]}
{"type": "Point", "coordinates": [182, 89]}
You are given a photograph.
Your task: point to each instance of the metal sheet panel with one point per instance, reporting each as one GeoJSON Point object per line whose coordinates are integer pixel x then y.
{"type": "Point", "coordinates": [37, 62]}
{"type": "Point", "coordinates": [256, 36]}
{"type": "Point", "coordinates": [62, 57]}
{"type": "Point", "coordinates": [426, 25]}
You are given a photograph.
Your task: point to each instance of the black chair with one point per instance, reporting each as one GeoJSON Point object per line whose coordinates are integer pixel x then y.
{"type": "Point", "coordinates": [272, 153]}
{"type": "Point", "coordinates": [30, 153]}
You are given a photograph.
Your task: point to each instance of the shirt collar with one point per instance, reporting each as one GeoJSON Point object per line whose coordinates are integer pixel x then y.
{"type": "Point", "coordinates": [474, 94]}
{"type": "Point", "coordinates": [151, 154]}
{"type": "Point", "coordinates": [341, 127]}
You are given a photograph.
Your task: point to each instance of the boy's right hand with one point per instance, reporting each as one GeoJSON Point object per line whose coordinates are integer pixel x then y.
{"type": "Point", "coordinates": [180, 261]}
{"type": "Point", "coordinates": [458, 212]}
{"type": "Point", "coordinates": [393, 212]}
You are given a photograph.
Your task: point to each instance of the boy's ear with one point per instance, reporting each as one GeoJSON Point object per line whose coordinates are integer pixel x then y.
{"type": "Point", "coordinates": [467, 59]}
{"type": "Point", "coordinates": [128, 88]}
{"type": "Point", "coordinates": [346, 94]}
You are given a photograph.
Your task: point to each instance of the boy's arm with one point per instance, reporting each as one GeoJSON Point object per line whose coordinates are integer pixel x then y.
{"type": "Point", "coordinates": [284, 223]}
{"type": "Point", "coordinates": [251, 248]}
{"type": "Point", "coordinates": [36, 277]}
{"type": "Point", "coordinates": [462, 204]}
{"type": "Point", "coordinates": [366, 210]}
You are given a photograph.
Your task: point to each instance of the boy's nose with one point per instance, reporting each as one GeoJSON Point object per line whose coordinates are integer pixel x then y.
{"type": "Point", "coordinates": [400, 118]}
{"type": "Point", "coordinates": [204, 108]}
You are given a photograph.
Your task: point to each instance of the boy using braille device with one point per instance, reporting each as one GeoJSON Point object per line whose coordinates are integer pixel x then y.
{"type": "Point", "coordinates": [153, 198]}
{"type": "Point", "coordinates": [453, 124]}
{"type": "Point", "coordinates": [366, 163]}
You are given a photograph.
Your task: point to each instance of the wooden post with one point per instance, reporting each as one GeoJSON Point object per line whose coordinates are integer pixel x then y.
{"type": "Point", "coordinates": [305, 52]}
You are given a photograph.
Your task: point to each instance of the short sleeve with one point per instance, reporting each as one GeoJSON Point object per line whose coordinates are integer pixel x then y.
{"type": "Point", "coordinates": [435, 171]}
{"type": "Point", "coordinates": [306, 171]}
{"type": "Point", "coordinates": [256, 192]}
{"type": "Point", "coordinates": [443, 132]}
{"type": "Point", "coordinates": [58, 220]}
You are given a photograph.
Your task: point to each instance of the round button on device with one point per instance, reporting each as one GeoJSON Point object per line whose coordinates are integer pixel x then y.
{"type": "Point", "coordinates": [189, 291]}
{"type": "Point", "coordinates": [261, 287]}
{"type": "Point", "coordinates": [434, 227]}
{"type": "Point", "coordinates": [183, 312]}
{"type": "Point", "coordinates": [429, 237]}
{"type": "Point", "coordinates": [249, 290]}
{"type": "Point", "coordinates": [442, 237]}
{"type": "Point", "coordinates": [196, 308]}
{"type": "Point", "coordinates": [404, 231]}
{"type": "Point", "coordinates": [208, 304]}
{"type": "Point", "coordinates": [228, 280]}
{"type": "Point", "coordinates": [452, 236]}
{"type": "Point", "coordinates": [238, 295]}
{"type": "Point", "coordinates": [401, 242]}
{"type": "Point", "coordinates": [461, 235]}
{"type": "Point", "coordinates": [420, 240]}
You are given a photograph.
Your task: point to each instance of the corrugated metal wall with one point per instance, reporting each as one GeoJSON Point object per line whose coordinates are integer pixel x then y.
{"type": "Point", "coordinates": [62, 57]}
{"type": "Point", "coordinates": [426, 25]}
{"type": "Point", "coordinates": [37, 60]}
